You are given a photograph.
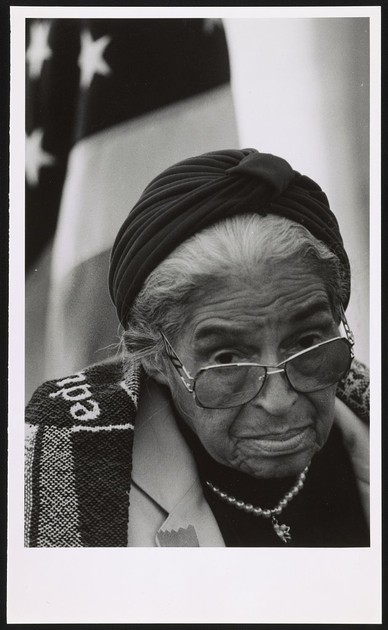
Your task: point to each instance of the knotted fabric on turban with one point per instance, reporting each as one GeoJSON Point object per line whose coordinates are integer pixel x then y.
{"type": "Point", "coordinates": [200, 191]}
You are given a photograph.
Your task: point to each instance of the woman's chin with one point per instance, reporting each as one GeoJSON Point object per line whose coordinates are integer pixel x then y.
{"type": "Point", "coordinates": [274, 458]}
{"type": "Point", "coordinates": [280, 466]}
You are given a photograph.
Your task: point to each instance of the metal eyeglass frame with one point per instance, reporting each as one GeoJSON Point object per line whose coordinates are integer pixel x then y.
{"type": "Point", "coordinates": [184, 374]}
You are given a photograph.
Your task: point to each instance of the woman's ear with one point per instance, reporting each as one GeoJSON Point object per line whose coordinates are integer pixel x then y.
{"type": "Point", "coordinates": [155, 370]}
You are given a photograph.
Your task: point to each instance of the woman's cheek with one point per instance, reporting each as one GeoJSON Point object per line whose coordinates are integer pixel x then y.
{"type": "Point", "coordinates": [324, 403]}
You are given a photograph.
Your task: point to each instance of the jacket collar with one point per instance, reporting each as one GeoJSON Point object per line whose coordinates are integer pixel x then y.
{"type": "Point", "coordinates": [165, 470]}
{"type": "Point", "coordinates": [157, 440]}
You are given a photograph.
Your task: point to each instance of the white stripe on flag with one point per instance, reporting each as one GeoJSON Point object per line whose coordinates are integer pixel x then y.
{"type": "Point", "coordinates": [108, 171]}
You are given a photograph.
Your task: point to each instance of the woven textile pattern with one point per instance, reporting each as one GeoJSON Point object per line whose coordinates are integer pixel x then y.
{"type": "Point", "coordinates": [78, 468]}
{"type": "Point", "coordinates": [57, 513]}
{"type": "Point", "coordinates": [30, 438]}
{"type": "Point", "coordinates": [354, 390]}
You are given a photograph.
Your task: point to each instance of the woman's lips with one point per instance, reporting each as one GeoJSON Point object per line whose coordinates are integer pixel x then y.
{"type": "Point", "coordinates": [283, 442]}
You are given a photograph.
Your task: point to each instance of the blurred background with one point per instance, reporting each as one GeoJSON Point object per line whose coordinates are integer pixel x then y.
{"type": "Point", "coordinates": [110, 103]}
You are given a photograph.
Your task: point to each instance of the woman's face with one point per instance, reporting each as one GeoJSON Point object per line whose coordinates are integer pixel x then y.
{"type": "Point", "coordinates": [263, 317]}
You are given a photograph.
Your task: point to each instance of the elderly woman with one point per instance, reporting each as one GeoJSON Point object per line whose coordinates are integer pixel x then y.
{"type": "Point", "coordinates": [237, 417]}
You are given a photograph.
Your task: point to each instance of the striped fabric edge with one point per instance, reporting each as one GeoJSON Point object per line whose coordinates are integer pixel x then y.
{"type": "Point", "coordinates": [57, 470]}
{"type": "Point", "coordinates": [96, 429]}
{"type": "Point", "coordinates": [131, 384]}
{"type": "Point", "coordinates": [31, 431]}
{"type": "Point", "coordinates": [130, 392]}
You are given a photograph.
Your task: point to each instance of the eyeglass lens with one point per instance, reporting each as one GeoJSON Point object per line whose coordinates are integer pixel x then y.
{"type": "Point", "coordinates": [232, 385]}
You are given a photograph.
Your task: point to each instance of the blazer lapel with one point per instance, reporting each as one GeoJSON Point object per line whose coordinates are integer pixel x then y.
{"type": "Point", "coordinates": [164, 469]}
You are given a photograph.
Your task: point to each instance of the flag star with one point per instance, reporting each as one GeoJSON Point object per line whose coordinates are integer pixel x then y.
{"type": "Point", "coordinates": [210, 24]}
{"type": "Point", "coordinates": [38, 50]}
{"type": "Point", "coordinates": [91, 59]}
{"type": "Point", "coordinates": [36, 157]}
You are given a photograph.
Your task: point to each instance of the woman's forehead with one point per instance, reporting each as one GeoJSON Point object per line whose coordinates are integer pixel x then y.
{"type": "Point", "coordinates": [267, 286]}
{"type": "Point", "coordinates": [313, 309]}
{"type": "Point", "coordinates": [237, 308]}
{"type": "Point", "coordinates": [245, 326]}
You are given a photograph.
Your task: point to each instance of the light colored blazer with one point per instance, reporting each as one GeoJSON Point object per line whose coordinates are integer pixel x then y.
{"type": "Point", "coordinates": [167, 506]}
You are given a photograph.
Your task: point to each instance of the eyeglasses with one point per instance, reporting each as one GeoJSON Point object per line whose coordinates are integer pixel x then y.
{"type": "Point", "coordinates": [228, 385]}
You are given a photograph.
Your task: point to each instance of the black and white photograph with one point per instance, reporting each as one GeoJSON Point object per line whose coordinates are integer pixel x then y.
{"type": "Point", "coordinates": [195, 229]}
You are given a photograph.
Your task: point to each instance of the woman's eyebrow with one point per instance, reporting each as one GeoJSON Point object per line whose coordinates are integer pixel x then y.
{"type": "Point", "coordinates": [224, 329]}
{"type": "Point", "coordinates": [316, 308]}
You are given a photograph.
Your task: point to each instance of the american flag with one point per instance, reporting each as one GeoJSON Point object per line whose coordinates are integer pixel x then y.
{"type": "Point", "coordinates": [109, 104]}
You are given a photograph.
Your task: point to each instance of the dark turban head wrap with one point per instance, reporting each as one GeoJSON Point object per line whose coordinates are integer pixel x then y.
{"type": "Point", "coordinates": [200, 191]}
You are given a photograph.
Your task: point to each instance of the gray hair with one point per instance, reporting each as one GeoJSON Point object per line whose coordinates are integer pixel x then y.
{"type": "Point", "coordinates": [225, 249]}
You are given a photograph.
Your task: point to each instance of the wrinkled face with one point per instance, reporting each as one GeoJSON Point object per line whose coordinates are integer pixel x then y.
{"type": "Point", "coordinates": [277, 311]}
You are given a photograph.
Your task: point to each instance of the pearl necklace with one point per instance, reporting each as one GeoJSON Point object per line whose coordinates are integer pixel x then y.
{"type": "Point", "coordinates": [283, 531]}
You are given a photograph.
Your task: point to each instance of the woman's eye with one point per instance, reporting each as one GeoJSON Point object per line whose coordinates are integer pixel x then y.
{"type": "Point", "coordinates": [226, 357]}
{"type": "Point", "coordinates": [308, 341]}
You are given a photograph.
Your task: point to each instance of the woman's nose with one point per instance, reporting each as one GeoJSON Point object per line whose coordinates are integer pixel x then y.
{"type": "Point", "coordinates": [276, 396]}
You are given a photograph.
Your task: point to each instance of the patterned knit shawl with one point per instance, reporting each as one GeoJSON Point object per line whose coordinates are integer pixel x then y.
{"type": "Point", "coordinates": [79, 454]}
